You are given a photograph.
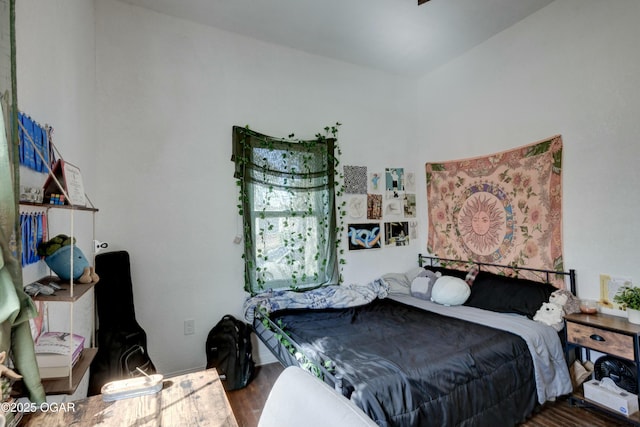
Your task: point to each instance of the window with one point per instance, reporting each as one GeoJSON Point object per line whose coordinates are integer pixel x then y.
{"type": "Point", "coordinates": [287, 201]}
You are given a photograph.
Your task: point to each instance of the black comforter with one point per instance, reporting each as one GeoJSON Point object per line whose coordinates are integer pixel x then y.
{"type": "Point", "coordinates": [408, 367]}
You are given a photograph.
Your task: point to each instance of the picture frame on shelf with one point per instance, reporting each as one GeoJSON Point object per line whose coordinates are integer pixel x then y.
{"type": "Point", "coordinates": [66, 178]}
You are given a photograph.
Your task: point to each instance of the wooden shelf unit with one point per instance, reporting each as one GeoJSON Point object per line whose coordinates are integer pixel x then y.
{"type": "Point", "coordinates": [50, 206]}
{"type": "Point", "coordinates": [66, 294]}
{"type": "Point", "coordinates": [59, 179]}
{"type": "Point", "coordinates": [61, 385]}
{"type": "Point", "coordinates": [70, 293]}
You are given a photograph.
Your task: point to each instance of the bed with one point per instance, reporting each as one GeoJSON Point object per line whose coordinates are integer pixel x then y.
{"type": "Point", "coordinates": [408, 361]}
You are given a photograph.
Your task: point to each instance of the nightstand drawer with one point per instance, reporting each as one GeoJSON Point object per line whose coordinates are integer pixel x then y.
{"type": "Point", "coordinates": [601, 340]}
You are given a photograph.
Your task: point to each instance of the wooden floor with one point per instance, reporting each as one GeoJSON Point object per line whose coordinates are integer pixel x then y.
{"type": "Point", "coordinates": [247, 405]}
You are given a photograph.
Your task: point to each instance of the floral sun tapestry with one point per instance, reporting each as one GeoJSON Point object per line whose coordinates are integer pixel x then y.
{"type": "Point", "coordinates": [505, 208]}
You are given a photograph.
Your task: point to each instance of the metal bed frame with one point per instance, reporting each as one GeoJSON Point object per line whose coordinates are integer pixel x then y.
{"type": "Point", "coordinates": [538, 274]}
{"type": "Point", "coordinates": [272, 335]}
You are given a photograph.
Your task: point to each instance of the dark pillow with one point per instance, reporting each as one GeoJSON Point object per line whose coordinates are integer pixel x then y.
{"type": "Point", "coordinates": [508, 295]}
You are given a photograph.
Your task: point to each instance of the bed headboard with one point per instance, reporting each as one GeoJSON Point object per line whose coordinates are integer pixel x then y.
{"type": "Point", "coordinates": [549, 276]}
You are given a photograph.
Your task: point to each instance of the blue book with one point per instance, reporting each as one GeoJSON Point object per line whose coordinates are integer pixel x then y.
{"type": "Point", "coordinates": [29, 153]}
{"type": "Point", "coordinates": [45, 148]}
{"type": "Point", "coordinates": [37, 139]}
{"type": "Point", "coordinates": [21, 141]}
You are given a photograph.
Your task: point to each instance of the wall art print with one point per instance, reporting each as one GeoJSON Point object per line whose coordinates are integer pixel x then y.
{"type": "Point", "coordinates": [387, 195]}
{"type": "Point", "coordinates": [409, 205]}
{"type": "Point", "coordinates": [375, 183]}
{"type": "Point", "coordinates": [374, 206]}
{"type": "Point", "coordinates": [505, 208]}
{"type": "Point", "coordinates": [357, 206]}
{"type": "Point", "coordinates": [364, 236]}
{"type": "Point", "coordinates": [394, 182]}
{"type": "Point", "coordinates": [355, 179]}
{"type": "Point", "coordinates": [396, 233]}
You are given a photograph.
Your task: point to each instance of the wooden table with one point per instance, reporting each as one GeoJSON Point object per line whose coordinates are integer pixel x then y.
{"type": "Point", "coordinates": [611, 335]}
{"type": "Point", "coordinates": [196, 399]}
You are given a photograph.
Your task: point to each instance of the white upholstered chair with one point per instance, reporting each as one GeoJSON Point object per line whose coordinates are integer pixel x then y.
{"type": "Point", "coordinates": [299, 399]}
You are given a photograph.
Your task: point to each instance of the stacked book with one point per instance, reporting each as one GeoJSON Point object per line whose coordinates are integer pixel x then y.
{"type": "Point", "coordinates": [52, 353]}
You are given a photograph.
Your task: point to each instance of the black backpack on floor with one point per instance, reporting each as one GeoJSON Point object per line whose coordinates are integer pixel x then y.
{"type": "Point", "coordinates": [228, 350]}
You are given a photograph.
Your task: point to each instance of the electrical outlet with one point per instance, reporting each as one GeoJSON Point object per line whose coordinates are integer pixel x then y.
{"type": "Point", "coordinates": [189, 326]}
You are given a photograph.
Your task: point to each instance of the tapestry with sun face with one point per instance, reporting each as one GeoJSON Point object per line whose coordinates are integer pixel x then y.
{"type": "Point", "coordinates": [505, 208]}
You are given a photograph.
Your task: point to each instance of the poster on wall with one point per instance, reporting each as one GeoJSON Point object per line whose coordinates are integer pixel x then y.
{"type": "Point", "coordinates": [375, 183]}
{"type": "Point", "coordinates": [355, 179]}
{"type": "Point", "coordinates": [413, 230]}
{"type": "Point", "coordinates": [410, 182]}
{"type": "Point", "coordinates": [394, 182]}
{"type": "Point", "coordinates": [372, 195]}
{"type": "Point", "coordinates": [409, 205]}
{"type": "Point", "coordinates": [364, 236]}
{"type": "Point", "coordinates": [357, 206]}
{"type": "Point", "coordinates": [374, 206]}
{"type": "Point", "coordinates": [396, 233]}
{"type": "Point", "coordinates": [392, 209]}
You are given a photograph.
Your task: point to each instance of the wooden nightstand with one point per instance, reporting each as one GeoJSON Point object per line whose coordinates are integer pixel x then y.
{"type": "Point", "coordinates": [612, 335]}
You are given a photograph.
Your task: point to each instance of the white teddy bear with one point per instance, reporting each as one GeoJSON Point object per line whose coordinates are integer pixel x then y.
{"type": "Point", "coordinates": [550, 314]}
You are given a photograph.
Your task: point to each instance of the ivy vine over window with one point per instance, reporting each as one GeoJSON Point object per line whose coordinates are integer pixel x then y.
{"type": "Point", "coordinates": [287, 198]}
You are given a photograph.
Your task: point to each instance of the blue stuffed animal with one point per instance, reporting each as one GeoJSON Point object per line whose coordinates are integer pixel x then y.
{"type": "Point", "coordinates": [57, 253]}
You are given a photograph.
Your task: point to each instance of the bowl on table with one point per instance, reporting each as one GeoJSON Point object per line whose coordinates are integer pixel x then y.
{"type": "Point", "coordinates": [588, 306]}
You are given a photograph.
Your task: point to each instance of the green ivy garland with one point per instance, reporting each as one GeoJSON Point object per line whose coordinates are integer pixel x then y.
{"type": "Point", "coordinates": [304, 362]}
{"type": "Point", "coordinates": [293, 258]}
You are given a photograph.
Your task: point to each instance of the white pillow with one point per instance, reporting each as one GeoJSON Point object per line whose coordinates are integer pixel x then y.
{"type": "Point", "coordinates": [449, 290]}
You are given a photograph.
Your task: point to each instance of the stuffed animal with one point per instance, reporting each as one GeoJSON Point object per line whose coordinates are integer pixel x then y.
{"type": "Point", "coordinates": [471, 274]}
{"type": "Point", "coordinates": [431, 275]}
{"type": "Point", "coordinates": [422, 285]}
{"type": "Point", "coordinates": [550, 314]}
{"type": "Point", "coordinates": [568, 302]}
{"type": "Point", "coordinates": [57, 253]}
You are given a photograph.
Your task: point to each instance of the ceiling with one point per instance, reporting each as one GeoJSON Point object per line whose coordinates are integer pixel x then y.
{"type": "Point", "coordinates": [395, 36]}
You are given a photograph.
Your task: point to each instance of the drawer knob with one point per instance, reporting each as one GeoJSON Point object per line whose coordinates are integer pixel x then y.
{"type": "Point", "coordinates": [597, 337]}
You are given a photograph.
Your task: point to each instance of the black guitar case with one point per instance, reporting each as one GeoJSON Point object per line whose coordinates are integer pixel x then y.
{"type": "Point", "coordinates": [122, 343]}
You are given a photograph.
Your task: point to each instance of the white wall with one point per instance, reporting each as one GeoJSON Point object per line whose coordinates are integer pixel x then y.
{"type": "Point", "coordinates": [169, 92]}
{"type": "Point", "coordinates": [572, 69]}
